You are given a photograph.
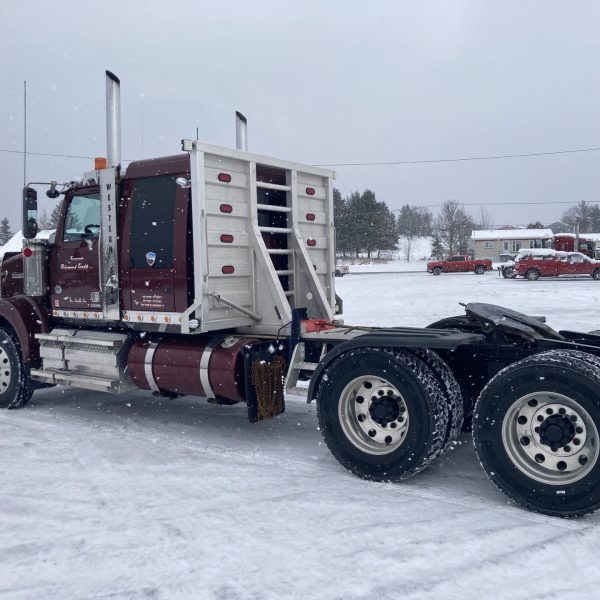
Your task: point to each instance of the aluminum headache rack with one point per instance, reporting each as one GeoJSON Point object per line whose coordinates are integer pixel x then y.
{"type": "Point", "coordinates": [264, 241]}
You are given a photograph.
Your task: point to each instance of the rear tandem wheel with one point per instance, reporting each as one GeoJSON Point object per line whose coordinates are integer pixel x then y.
{"type": "Point", "coordinates": [536, 431]}
{"type": "Point", "coordinates": [383, 413]}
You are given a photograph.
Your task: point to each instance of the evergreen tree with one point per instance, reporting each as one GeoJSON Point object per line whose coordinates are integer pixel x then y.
{"type": "Point", "coordinates": [44, 221]}
{"type": "Point", "coordinates": [55, 216]}
{"type": "Point", "coordinates": [343, 229]}
{"type": "Point", "coordinates": [5, 231]}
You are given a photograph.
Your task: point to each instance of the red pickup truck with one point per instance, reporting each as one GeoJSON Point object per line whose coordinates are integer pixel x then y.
{"type": "Point", "coordinates": [549, 263]}
{"type": "Point", "coordinates": [459, 264]}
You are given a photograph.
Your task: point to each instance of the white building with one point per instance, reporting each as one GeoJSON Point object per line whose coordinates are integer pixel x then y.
{"type": "Point", "coordinates": [502, 244]}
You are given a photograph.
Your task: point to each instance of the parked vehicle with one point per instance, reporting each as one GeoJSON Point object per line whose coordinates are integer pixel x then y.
{"type": "Point", "coordinates": [565, 242]}
{"type": "Point", "coordinates": [211, 273]}
{"type": "Point", "coordinates": [459, 264]}
{"type": "Point", "coordinates": [534, 264]}
{"type": "Point", "coordinates": [341, 270]}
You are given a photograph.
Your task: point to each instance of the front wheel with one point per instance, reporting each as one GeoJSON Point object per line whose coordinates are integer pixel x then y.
{"type": "Point", "coordinates": [15, 385]}
{"type": "Point", "coordinates": [509, 272]}
{"type": "Point", "coordinates": [536, 431]}
{"type": "Point", "coordinates": [436, 271]}
{"type": "Point", "coordinates": [596, 274]}
{"type": "Point", "coordinates": [532, 275]}
{"type": "Point", "coordinates": [479, 270]}
{"type": "Point", "coordinates": [382, 413]}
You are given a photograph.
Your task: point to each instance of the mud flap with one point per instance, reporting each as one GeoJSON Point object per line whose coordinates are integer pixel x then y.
{"type": "Point", "coordinates": [264, 373]}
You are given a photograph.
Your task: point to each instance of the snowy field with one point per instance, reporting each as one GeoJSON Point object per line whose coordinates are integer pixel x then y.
{"type": "Point", "coordinates": [135, 497]}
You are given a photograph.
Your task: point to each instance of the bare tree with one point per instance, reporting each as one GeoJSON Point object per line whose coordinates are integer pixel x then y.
{"type": "Point", "coordinates": [485, 219]}
{"type": "Point", "coordinates": [452, 228]}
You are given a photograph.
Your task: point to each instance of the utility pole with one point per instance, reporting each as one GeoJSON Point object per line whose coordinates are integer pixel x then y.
{"type": "Point", "coordinates": [24, 133]}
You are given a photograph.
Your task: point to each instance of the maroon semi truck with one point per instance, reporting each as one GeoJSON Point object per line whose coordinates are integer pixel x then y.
{"type": "Point", "coordinates": [569, 242]}
{"type": "Point", "coordinates": [211, 273]}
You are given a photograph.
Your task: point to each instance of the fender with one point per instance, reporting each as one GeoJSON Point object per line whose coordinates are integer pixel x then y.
{"type": "Point", "coordinates": [26, 316]}
{"type": "Point", "coordinates": [406, 337]}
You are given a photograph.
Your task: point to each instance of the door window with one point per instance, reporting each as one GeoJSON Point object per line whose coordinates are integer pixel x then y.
{"type": "Point", "coordinates": [83, 218]}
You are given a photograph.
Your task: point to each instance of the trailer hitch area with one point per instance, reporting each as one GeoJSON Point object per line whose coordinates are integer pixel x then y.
{"type": "Point", "coordinates": [492, 316]}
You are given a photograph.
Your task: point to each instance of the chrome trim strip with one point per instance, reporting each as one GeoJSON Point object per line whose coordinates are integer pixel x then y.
{"type": "Point", "coordinates": [204, 362]}
{"type": "Point", "coordinates": [148, 366]}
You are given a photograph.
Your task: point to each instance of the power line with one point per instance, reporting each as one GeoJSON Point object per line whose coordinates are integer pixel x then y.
{"type": "Point", "coordinates": [459, 159]}
{"type": "Point", "coordinates": [371, 164]}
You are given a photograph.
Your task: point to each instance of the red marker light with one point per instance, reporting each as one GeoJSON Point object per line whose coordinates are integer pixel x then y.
{"type": "Point", "coordinates": [226, 238]}
{"type": "Point", "coordinates": [224, 177]}
{"type": "Point", "coordinates": [226, 208]}
{"type": "Point", "coordinates": [311, 242]}
{"type": "Point", "coordinates": [310, 217]}
{"type": "Point", "coordinates": [310, 191]}
{"type": "Point", "coordinates": [27, 252]}
{"type": "Point", "coordinates": [227, 269]}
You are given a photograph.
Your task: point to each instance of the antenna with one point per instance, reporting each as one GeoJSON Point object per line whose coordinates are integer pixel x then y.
{"type": "Point", "coordinates": [25, 133]}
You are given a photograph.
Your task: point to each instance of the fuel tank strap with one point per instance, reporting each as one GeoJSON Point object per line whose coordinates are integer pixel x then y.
{"type": "Point", "coordinates": [204, 362]}
{"type": "Point", "coordinates": [148, 366]}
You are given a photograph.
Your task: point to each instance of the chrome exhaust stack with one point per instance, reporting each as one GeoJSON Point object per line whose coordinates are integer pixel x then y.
{"type": "Point", "coordinates": [113, 120]}
{"type": "Point", "coordinates": [241, 131]}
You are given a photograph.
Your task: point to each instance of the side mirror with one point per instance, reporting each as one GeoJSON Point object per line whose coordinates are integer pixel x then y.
{"type": "Point", "coordinates": [30, 213]}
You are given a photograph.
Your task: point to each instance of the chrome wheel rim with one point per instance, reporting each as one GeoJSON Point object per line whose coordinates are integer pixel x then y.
{"type": "Point", "coordinates": [373, 415]}
{"type": "Point", "coordinates": [5, 371]}
{"type": "Point", "coordinates": [550, 438]}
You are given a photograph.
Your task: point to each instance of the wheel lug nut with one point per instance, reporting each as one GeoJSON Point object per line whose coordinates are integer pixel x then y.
{"type": "Point", "coordinates": [524, 440]}
{"type": "Point", "coordinates": [393, 425]}
{"type": "Point", "coordinates": [562, 411]}
{"type": "Point", "coordinates": [567, 448]}
{"type": "Point", "coordinates": [537, 429]}
{"type": "Point", "coordinates": [573, 418]}
{"type": "Point", "coordinates": [577, 441]}
{"type": "Point", "coordinates": [579, 429]}
{"type": "Point", "coordinates": [549, 411]}
{"type": "Point", "coordinates": [360, 399]}
{"type": "Point", "coordinates": [540, 418]}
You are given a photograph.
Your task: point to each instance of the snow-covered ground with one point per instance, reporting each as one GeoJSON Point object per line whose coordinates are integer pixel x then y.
{"type": "Point", "coordinates": [135, 497]}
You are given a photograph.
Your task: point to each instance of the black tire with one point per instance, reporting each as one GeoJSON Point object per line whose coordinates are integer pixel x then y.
{"type": "Point", "coordinates": [552, 394]}
{"type": "Point", "coordinates": [415, 426]}
{"type": "Point", "coordinates": [436, 270]}
{"type": "Point", "coordinates": [479, 270]}
{"type": "Point", "coordinates": [596, 274]}
{"type": "Point", "coordinates": [15, 385]}
{"type": "Point", "coordinates": [509, 272]}
{"type": "Point", "coordinates": [532, 275]}
{"type": "Point", "coordinates": [454, 397]}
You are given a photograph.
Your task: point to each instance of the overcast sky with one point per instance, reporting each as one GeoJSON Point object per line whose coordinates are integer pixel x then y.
{"type": "Point", "coordinates": [320, 82]}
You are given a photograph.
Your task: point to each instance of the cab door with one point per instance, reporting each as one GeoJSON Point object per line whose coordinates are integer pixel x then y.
{"type": "Point", "coordinates": [154, 275]}
{"type": "Point", "coordinates": [75, 274]}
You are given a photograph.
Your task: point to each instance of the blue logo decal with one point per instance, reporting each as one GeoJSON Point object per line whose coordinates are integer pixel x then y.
{"type": "Point", "coordinates": [150, 258]}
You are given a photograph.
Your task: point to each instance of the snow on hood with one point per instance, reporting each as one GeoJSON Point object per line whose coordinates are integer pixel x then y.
{"type": "Point", "coordinates": [15, 244]}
